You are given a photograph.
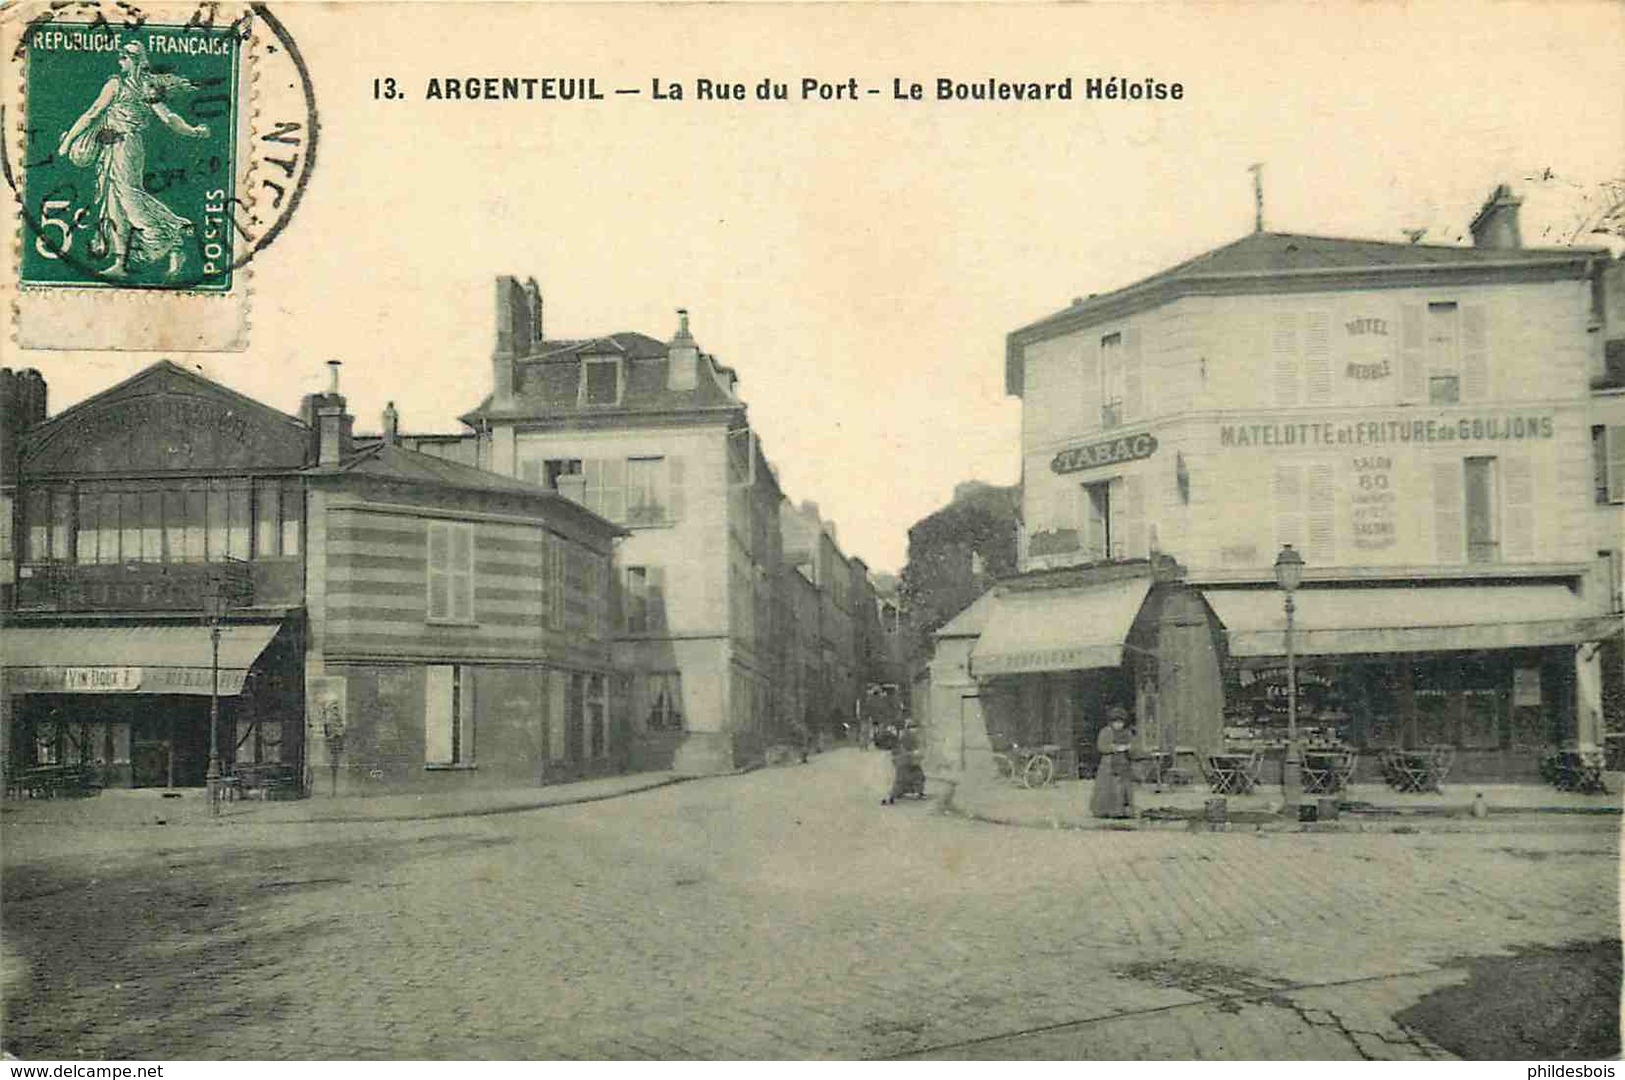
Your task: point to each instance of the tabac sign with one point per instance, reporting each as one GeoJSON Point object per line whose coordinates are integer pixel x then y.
{"type": "Point", "coordinates": [1106, 452]}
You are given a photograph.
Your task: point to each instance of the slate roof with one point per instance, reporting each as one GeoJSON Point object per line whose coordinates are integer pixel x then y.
{"type": "Point", "coordinates": [547, 381]}
{"type": "Point", "coordinates": [380, 460]}
{"type": "Point", "coordinates": [1262, 260]}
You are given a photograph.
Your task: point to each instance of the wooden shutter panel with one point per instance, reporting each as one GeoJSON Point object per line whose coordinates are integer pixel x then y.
{"type": "Point", "coordinates": [1287, 491]}
{"type": "Point", "coordinates": [1518, 512]}
{"type": "Point", "coordinates": [1322, 515]}
{"type": "Point", "coordinates": [437, 705]}
{"type": "Point", "coordinates": [1318, 357]}
{"type": "Point", "coordinates": [1128, 531]}
{"type": "Point", "coordinates": [1475, 353]}
{"type": "Point", "coordinates": [1089, 385]}
{"type": "Point", "coordinates": [1284, 352]}
{"type": "Point", "coordinates": [1413, 383]}
{"type": "Point", "coordinates": [657, 598]}
{"type": "Point", "coordinates": [439, 602]}
{"type": "Point", "coordinates": [462, 572]}
{"type": "Point", "coordinates": [1449, 544]}
{"type": "Point", "coordinates": [1614, 445]}
{"type": "Point", "coordinates": [674, 488]}
{"type": "Point", "coordinates": [1133, 375]}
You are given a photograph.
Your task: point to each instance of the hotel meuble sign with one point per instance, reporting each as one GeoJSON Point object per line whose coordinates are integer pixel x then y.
{"type": "Point", "coordinates": [1116, 451]}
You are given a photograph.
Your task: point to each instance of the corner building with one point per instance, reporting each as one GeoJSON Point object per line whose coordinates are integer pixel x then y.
{"type": "Point", "coordinates": [1415, 420]}
{"type": "Point", "coordinates": [652, 436]}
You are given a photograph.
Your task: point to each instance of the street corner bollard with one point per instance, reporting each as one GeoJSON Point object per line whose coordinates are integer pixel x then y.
{"type": "Point", "coordinates": [1326, 809]}
{"type": "Point", "coordinates": [1216, 811]}
{"type": "Point", "coordinates": [1480, 809]}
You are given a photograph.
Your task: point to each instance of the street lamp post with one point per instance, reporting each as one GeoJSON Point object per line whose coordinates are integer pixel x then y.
{"type": "Point", "coordinates": [1288, 575]}
{"type": "Point", "coordinates": [211, 779]}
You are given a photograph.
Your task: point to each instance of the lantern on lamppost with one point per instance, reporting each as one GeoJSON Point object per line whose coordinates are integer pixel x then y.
{"type": "Point", "coordinates": [1289, 575]}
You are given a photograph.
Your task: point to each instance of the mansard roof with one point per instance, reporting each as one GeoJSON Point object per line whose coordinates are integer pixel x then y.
{"type": "Point", "coordinates": [1266, 262]}
{"type": "Point", "coordinates": [547, 381]}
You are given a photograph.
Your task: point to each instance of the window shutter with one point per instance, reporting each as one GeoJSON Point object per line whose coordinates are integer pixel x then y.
{"type": "Point", "coordinates": [1614, 443]}
{"type": "Point", "coordinates": [1518, 515]}
{"type": "Point", "coordinates": [1133, 374]}
{"type": "Point", "coordinates": [439, 585]}
{"type": "Point", "coordinates": [674, 488]}
{"type": "Point", "coordinates": [461, 576]}
{"type": "Point", "coordinates": [1412, 353]}
{"type": "Point", "coordinates": [615, 489]}
{"type": "Point", "coordinates": [1287, 490]}
{"type": "Point", "coordinates": [437, 706]}
{"type": "Point", "coordinates": [1317, 349]}
{"type": "Point", "coordinates": [657, 598]}
{"type": "Point", "coordinates": [1089, 385]}
{"type": "Point", "coordinates": [1284, 350]}
{"type": "Point", "coordinates": [1322, 515]}
{"type": "Point", "coordinates": [1448, 541]}
{"type": "Point", "coordinates": [1475, 353]}
{"type": "Point", "coordinates": [1128, 530]}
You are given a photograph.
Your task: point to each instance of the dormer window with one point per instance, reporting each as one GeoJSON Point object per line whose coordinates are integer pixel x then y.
{"type": "Point", "coordinates": [600, 381]}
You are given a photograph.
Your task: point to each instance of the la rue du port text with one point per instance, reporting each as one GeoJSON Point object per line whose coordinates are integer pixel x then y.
{"type": "Point", "coordinates": [806, 88]}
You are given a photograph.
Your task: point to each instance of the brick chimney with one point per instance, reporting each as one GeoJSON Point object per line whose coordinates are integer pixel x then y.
{"type": "Point", "coordinates": [682, 357]}
{"type": "Point", "coordinates": [334, 440]}
{"type": "Point", "coordinates": [1496, 225]}
{"type": "Point", "coordinates": [519, 319]}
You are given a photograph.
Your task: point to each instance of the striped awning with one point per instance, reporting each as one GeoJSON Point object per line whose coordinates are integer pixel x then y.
{"type": "Point", "coordinates": [1397, 619]}
{"type": "Point", "coordinates": [128, 659]}
{"type": "Point", "coordinates": [1058, 629]}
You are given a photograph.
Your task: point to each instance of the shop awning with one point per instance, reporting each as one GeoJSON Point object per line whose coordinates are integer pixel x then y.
{"type": "Point", "coordinates": [128, 659]}
{"type": "Point", "coordinates": [1058, 629]}
{"type": "Point", "coordinates": [1419, 619]}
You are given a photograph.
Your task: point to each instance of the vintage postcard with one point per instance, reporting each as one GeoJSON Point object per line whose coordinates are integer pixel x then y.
{"type": "Point", "coordinates": [905, 532]}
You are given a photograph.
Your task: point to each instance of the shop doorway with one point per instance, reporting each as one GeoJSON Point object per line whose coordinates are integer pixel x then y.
{"type": "Point", "coordinates": [169, 742]}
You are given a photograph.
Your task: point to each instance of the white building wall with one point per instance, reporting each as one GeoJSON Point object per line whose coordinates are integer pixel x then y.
{"type": "Point", "coordinates": [1304, 418]}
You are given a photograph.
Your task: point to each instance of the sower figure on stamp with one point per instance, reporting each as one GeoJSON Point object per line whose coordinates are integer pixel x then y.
{"type": "Point", "coordinates": [1113, 796]}
{"type": "Point", "coordinates": [110, 136]}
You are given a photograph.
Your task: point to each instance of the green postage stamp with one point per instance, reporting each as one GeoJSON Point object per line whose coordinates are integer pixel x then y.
{"type": "Point", "coordinates": [130, 178]}
{"type": "Point", "coordinates": [153, 150]}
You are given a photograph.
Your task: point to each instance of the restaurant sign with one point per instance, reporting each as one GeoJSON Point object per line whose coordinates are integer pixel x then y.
{"type": "Point", "coordinates": [126, 680]}
{"type": "Point", "coordinates": [1116, 451]}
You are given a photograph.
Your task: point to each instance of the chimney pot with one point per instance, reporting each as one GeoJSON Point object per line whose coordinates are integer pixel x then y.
{"type": "Point", "coordinates": [333, 375]}
{"type": "Point", "coordinates": [1496, 225]}
{"type": "Point", "coordinates": [392, 425]}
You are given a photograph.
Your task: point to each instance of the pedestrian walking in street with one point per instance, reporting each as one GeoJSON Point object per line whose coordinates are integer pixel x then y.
{"type": "Point", "coordinates": [1113, 795]}
{"type": "Point", "coordinates": [908, 774]}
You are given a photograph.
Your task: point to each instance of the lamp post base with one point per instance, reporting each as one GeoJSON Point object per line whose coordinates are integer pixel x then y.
{"type": "Point", "coordinates": [1292, 776]}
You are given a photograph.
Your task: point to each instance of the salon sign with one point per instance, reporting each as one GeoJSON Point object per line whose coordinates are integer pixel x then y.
{"type": "Point", "coordinates": [1116, 451]}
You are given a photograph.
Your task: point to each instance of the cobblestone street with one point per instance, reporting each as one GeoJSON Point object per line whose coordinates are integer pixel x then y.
{"type": "Point", "coordinates": [779, 914]}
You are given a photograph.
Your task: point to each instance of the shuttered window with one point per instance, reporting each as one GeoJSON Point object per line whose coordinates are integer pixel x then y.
{"type": "Point", "coordinates": [1449, 544]}
{"type": "Point", "coordinates": [1317, 357]}
{"type": "Point", "coordinates": [1305, 498]}
{"type": "Point", "coordinates": [1518, 512]}
{"type": "Point", "coordinates": [1128, 528]}
{"type": "Point", "coordinates": [1111, 380]}
{"type": "Point", "coordinates": [451, 572]}
{"type": "Point", "coordinates": [1483, 520]}
{"type": "Point", "coordinates": [1608, 462]}
{"type": "Point", "coordinates": [1412, 355]}
{"type": "Point", "coordinates": [1284, 357]}
{"type": "Point", "coordinates": [448, 715]}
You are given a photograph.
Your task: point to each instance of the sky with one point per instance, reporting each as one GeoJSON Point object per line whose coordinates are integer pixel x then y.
{"type": "Point", "coordinates": [860, 263]}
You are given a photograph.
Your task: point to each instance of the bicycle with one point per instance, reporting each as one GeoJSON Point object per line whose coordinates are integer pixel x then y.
{"type": "Point", "coordinates": [1029, 766]}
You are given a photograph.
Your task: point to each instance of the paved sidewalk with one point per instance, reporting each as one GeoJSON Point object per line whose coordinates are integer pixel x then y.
{"type": "Point", "coordinates": [141, 807]}
{"type": "Point", "coordinates": [1065, 805]}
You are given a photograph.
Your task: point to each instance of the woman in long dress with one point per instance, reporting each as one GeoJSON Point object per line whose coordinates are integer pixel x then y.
{"type": "Point", "coordinates": [110, 136]}
{"type": "Point", "coordinates": [1113, 795]}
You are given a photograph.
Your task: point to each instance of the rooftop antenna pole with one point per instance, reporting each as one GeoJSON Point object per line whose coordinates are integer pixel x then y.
{"type": "Point", "coordinates": [1257, 169]}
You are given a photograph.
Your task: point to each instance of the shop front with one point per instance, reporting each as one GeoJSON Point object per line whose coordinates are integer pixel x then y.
{"type": "Point", "coordinates": [133, 702]}
{"type": "Point", "coordinates": [1497, 674]}
{"type": "Point", "coordinates": [1050, 652]}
